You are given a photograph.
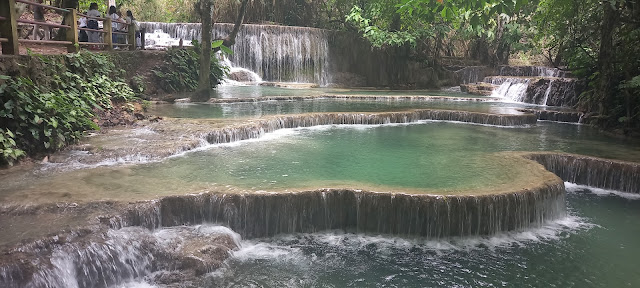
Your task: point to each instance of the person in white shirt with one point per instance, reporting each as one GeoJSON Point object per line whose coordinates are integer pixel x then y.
{"type": "Point", "coordinates": [115, 24]}
{"type": "Point", "coordinates": [133, 24]}
{"type": "Point", "coordinates": [82, 23]}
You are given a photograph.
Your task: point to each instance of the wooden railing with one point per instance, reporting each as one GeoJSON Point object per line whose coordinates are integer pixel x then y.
{"type": "Point", "coordinates": [9, 29]}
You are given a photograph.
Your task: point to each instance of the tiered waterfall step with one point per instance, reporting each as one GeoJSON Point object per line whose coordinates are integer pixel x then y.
{"type": "Point", "coordinates": [529, 84]}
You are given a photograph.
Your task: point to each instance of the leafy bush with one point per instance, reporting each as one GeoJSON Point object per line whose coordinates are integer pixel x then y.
{"type": "Point", "coordinates": [181, 69]}
{"type": "Point", "coordinates": [9, 151]}
{"type": "Point", "coordinates": [56, 107]}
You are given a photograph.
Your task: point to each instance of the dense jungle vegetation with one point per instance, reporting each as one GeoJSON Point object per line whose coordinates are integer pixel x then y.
{"type": "Point", "coordinates": [598, 40]}
{"type": "Point", "coordinates": [58, 102]}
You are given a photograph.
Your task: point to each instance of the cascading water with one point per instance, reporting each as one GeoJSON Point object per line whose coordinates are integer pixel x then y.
{"type": "Point", "coordinates": [160, 40]}
{"type": "Point", "coordinates": [116, 257]}
{"type": "Point", "coordinates": [512, 89]}
{"type": "Point", "coordinates": [531, 71]}
{"type": "Point", "coordinates": [275, 53]}
{"type": "Point", "coordinates": [540, 90]}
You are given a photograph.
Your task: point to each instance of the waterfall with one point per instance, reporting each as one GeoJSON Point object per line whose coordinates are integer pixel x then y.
{"type": "Point", "coordinates": [536, 90]}
{"type": "Point", "coordinates": [595, 172]}
{"type": "Point", "coordinates": [531, 71]}
{"type": "Point", "coordinates": [257, 128]}
{"type": "Point", "coordinates": [275, 53]}
{"type": "Point", "coordinates": [546, 93]}
{"type": "Point", "coordinates": [511, 88]}
{"type": "Point", "coordinates": [114, 257]}
{"type": "Point", "coordinates": [256, 215]}
{"type": "Point", "coordinates": [558, 116]}
{"type": "Point", "coordinates": [470, 74]}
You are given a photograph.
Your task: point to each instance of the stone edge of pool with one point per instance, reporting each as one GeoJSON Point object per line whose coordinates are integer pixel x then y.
{"type": "Point", "coordinates": [354, 97]}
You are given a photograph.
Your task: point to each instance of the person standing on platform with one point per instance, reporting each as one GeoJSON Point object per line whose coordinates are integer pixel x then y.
{"type": "Point", "coordinates": [92, 23]}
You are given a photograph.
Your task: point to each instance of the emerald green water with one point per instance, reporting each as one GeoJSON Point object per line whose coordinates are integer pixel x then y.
{"type": "Point", "coordinates": [433, 157]}
{"type": "Point", "coordinates": [596, 246]}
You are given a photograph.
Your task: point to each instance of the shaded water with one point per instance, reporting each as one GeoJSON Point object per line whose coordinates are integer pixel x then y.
{"type": "Point", "coordinates": [263, 108]}
{"type": "Point", "coordinates": [257, 91]}
{"type": "Point", "coordinates": [595, 247]}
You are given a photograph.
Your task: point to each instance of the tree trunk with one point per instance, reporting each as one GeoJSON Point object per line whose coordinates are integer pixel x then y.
{"type": "Point", "coordinates": [604, 91]}
{"type": "Point", "coordinates": [203, 92]}
{"type": "Point", "coordinates": [205, 8]}
{"type": "Point", "coordinates": [67, 4]}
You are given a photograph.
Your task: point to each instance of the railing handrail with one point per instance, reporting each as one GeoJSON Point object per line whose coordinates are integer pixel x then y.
{"type": "Point", "coordinates": [9, 23]}
{"type": "Point", "coordinates": [92, 17]}
{"type": "Point", "coordinates": [43, 23]}
{"type": "Point", "coordinates": [92, 30]}
{"type": "Point", "coordinates": [43, 5]}
{"type": "Point", "coordinates": [57, 42]}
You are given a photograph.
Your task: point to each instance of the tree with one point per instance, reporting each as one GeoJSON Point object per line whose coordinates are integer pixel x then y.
{"type": "Point", "coordinates": [598, 41]}
{"type": "Point", "coordinates": [412, 22]}
{"type": "Point", "coordinates": [205, 9]}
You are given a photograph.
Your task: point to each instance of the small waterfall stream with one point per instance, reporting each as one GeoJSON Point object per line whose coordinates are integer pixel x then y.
{"type": "Point", "coordinates": [535, 85]}
{"type": "Point", "coordinates": [275, 53]}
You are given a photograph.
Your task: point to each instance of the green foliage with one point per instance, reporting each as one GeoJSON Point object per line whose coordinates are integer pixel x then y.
{"type": "Point", "coordinates": [379, 36]}
{"type": "Point", "coordinates": [9, 151]}
{"type": "Point", "coordinates": [569, 33]}
{"type": "Point", "coordinates": [55, 107]}
{"type": "Point", "coordinates": [138, 85]}
{"type": "Point", "coordinates": [181, 69]}
{"type": "Point", "coordinates": [161, 10]}
{"type": "Point", "coordinates": [405, 21]}
{"type": "Point", "coordinates": [634, 84]}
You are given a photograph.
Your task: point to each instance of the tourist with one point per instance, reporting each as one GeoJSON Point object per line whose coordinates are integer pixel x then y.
{"type": "Point", "coordinates": [115, 24]}
{"type": "Point", "coordinates": [92, 23]}
{"type": "Point", "coordinates": [82, 23]}
{"type": "Point", "coordinates": [133, 23]}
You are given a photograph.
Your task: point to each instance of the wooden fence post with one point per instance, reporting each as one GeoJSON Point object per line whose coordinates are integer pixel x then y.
{"type": "Point", "coordinates": [71, 19]}
{"type": "Point", "coordinates": [131, 35]}
{"type": "Point", "coordinates": [108, 37]}
{"type": "Point", "coordinates": [9, 27]}
{"type": "Point", "coordinates": [143, 35]}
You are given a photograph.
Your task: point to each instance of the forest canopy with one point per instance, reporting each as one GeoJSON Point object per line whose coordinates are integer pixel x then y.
{"type": "Point", "coordinates": [597, 40]}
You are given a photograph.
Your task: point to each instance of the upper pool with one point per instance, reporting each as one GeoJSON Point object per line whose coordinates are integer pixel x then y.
{"type": "Point", "coordinates": [426, 157]}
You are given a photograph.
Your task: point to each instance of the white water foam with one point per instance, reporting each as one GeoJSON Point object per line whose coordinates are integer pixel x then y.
{"type": "Point", "coordinates": [121, 257]}
{"type": "Point", "coordinates": [576, 188]}
{"type": "Point", "coordinates": [511, 92]}
{"type": "Point", "coordinates": [160, 41]}
{"type": "Point", "coordinates": [276, 251]}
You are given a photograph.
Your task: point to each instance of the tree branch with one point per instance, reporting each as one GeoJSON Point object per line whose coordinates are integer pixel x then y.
{"type": "Point", "coordinates": [231, 39]}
